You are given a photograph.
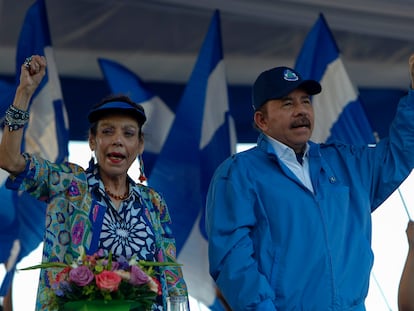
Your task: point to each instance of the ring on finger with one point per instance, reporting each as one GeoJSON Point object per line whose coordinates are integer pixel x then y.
{"type": "Point", "coordinates": [27, 62]}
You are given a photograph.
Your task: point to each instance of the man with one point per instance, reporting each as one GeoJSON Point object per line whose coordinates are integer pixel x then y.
{"type": "Point", "coordinates": [289, 221]}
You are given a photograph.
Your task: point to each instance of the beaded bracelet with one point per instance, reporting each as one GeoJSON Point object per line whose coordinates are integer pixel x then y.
{"type": "Point", "coordinates": [16, 118]}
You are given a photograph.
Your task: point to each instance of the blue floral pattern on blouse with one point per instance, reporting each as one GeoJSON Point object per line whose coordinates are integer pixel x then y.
{"type": "Point", "coordinates": [77, 209]}
{"type": "Point", "coordinates": [126, 231]}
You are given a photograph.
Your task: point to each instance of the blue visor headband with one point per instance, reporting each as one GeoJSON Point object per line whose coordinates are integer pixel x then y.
{"type": "Point", "coordinates": [117, 107]}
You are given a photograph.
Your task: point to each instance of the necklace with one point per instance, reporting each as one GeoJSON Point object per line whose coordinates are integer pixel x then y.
{"type": "Point", "coordinates": [117, 197]}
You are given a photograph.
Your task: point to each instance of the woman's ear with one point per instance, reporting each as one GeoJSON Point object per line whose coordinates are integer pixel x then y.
{"type": "Point", "coordinates": [92, 144]}
{"type": "Point", "coordinates": [141, 146]}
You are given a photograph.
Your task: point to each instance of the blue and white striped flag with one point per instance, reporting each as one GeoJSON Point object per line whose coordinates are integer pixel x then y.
{"type": "Point", "coordinates": [201, 137]}
{"type": "Point", "coordinates": [339, 114]}
{"type": "Point", "coordinates": [47, 134]}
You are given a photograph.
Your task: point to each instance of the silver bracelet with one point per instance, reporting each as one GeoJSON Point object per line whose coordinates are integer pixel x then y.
{"type": "Point", "coordinates": [16, 118]}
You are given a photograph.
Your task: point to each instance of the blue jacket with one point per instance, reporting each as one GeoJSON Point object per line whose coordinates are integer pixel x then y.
{"type": "Point", "coordinates": [275, 245]}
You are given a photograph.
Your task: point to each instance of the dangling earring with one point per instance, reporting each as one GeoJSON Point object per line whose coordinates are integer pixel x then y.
{"type": "Point", "coordinates": [141, 177]}
{"type": "Point", "coordinates": [92, 161]}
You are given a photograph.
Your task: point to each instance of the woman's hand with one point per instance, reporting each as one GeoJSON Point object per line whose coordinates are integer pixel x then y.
{"type": "Point", "coordinates": [32, 72]}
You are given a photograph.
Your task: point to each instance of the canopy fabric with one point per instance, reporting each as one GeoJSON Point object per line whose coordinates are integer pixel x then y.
{"type": "Point", "coordinates": [159, 40]}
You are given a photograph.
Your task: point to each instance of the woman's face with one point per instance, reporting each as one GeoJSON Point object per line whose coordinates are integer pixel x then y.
{"type": "Point", "coordinates": [116, 145]}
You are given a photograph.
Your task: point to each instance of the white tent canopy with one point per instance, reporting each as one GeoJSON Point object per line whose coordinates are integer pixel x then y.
{"type": "Point", "coordinates": [159, 40]}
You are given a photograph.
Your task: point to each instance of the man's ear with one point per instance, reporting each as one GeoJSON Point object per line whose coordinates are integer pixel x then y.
{"type": "Point", "coordinates": [260, 120]}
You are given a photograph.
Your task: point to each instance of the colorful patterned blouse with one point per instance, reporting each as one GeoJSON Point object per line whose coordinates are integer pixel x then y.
{"type": "Point", "coordinates": [78, 214]}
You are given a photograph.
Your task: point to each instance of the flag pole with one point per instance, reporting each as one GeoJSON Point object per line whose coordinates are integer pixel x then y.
{"type": "Point", "coordinates": [405, 205]}
{"type": "Point", "coordinates": [381, 291]}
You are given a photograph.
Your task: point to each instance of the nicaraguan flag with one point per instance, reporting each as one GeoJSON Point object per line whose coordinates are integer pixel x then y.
{"type": "Point", "coordinates": [339, 114]}
{"type": "Point", "coordinates": [46, 134]}
{"type": "Point", "coordinates": [201, 137]}
{"type": "Point", "coordinates": [159, 116]}
{"type": "Point", "coordinates": [7, 91]}
{"type": "Point", "coordinates": [8, 229]}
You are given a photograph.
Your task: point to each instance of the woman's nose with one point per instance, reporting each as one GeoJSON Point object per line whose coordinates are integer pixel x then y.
{"type": "Point", "coordinates": [117, 141]}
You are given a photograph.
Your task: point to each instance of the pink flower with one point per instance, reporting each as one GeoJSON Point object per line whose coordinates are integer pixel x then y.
{"type": "Point", "coordinates": [108, 280]}
{"type": "Point", "coordinates": [81, 276]}
{"type": "Point", "coordinates": [138, 277]}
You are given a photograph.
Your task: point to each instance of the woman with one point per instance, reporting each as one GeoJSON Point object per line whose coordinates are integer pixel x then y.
{"type": "Point", "coordinates": [100, 208]}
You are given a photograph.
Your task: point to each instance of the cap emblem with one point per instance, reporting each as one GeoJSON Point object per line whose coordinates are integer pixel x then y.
{"type": "Point", "coordinates": [289, 75]}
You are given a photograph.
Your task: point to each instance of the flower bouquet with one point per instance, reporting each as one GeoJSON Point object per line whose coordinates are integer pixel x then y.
{"type": "Point", "coordinates": [95, 282]}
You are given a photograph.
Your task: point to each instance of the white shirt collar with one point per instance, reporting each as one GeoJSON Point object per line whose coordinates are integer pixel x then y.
{"type": "Point", "coordinates": [288, 157]}
{"type": "Point", "coordinates": [284, 152]}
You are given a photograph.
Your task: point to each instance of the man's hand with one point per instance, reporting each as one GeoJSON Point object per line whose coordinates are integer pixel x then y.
{"type": "Point", "coordinates": [410, 233]}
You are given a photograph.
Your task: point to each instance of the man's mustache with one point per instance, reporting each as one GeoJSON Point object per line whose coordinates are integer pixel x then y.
{"type": "Point", "coordinates": [303, 121]}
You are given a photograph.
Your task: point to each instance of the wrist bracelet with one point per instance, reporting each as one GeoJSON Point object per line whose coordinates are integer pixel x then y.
{"type": "Point", "coordinates": [16, 118]}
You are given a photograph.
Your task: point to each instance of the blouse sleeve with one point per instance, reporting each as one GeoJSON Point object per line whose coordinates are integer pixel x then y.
{"type": "Point", "coordinates": [43, 179]}
{"type": "Point", "coordinates": [174, 283]}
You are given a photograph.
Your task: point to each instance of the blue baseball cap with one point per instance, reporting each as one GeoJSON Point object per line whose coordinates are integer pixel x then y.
{"type": "Point", "coordinates": [278, 82]}
{"type": "Point", "coordinates": [114, 107]}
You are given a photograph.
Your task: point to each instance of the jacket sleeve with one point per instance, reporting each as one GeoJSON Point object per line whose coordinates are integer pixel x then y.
{"type": "Point", "coordinates": [395, 155]}
{"type": "Point", "coordinates": [230, 219]}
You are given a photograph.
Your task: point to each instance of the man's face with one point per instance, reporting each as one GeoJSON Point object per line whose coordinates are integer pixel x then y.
{"type": "Point", "coordinates": [289, 120]}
